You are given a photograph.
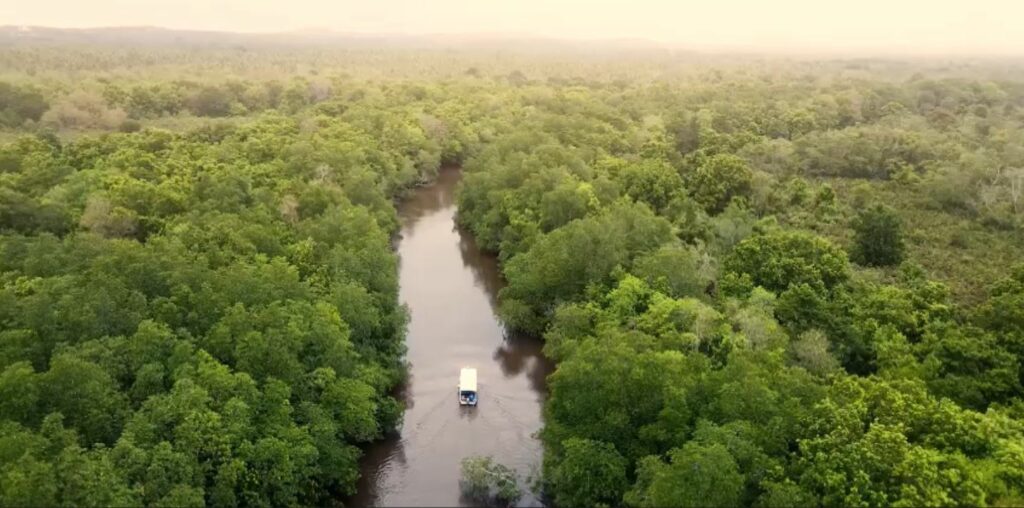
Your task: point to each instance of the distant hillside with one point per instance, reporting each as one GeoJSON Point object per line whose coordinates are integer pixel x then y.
{"type": "Point", "coordinates": [156, 36]}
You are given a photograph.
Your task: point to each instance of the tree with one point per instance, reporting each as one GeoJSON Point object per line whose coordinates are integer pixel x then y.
{"type": "Point", "coordinates": [1003, 313]}
{"type": "Point", "coordinates": [594, 393]}
{"type": "Point", "coordinates": [486, 481]}
{"type": "Point", "coordinates": [785, 494]}
{"type": "Point", "coordinates": [811, 351]}
{"type": "Point", "coordinates": [19, 393]}
{"type": "Point", "coordinates": [696, 476]}
{"type": "Point", "coordinates": [87, 396]}
{"type": "Point", "coordinates": [650, 181]}
{"type": "Point", "coordinates": [28, 481]}
{"type": "Point", "coordinates": [563, 263]}
{"type": "Point", "coordinates": [873, 442]}
{"type": "Point", "coordinates": [82, 109]}
{"type": "Point", "coordinates": [102, 217]}
{"type": "Point", "coordinates": [569, 201]}
{"type": "Point", "coordinates": [677, 271]}
{"type": "Point", "coordinates": [591, 473]}
{"type": "Point", "coordinates": [970, 366]}
{"type": "Point", "coordinates": [878, 238]}
{"type": "Point", "coordinates": [211, 101]}
{"type": "Point", "coordinates": [90, 478]}
{"type": "Point", "coordinates": [779, 260]}
{"type": "Point", "coordinates": [717, 180]}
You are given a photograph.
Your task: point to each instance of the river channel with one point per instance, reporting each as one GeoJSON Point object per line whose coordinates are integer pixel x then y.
{"type": "Point", "coordinates": [450, 287]}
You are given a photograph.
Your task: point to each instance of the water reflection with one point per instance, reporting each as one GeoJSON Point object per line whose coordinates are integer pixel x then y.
{"type": "Point", "coordinates": [522, 353]}
{"type": "Point", "coordinates": [484, 266]}
{"type": "Point", "coordinates": [426, 200]}
{"type": "Point", "coordinates": [451, 289]}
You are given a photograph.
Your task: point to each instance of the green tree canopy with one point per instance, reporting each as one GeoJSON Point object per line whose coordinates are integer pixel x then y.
{"type": "Point", "coordinates": [878, 238]}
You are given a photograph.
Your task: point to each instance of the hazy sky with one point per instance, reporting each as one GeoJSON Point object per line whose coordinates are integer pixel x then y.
{"type": "Point", "coordinates": [933, 26]}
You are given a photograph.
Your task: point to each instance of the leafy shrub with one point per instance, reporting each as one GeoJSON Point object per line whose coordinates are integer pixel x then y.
{"type": "Point", "coordinates": [489, 482]}
{"type": "Point", "coordinates": [878, 239]}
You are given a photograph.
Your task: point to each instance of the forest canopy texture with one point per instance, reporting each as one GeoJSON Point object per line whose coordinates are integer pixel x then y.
{"type": "Point", "coordinates": [765, 282]}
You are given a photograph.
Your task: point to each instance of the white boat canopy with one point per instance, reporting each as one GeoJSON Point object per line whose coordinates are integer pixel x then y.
{"type": "Point", "coordinates": [467, 380]}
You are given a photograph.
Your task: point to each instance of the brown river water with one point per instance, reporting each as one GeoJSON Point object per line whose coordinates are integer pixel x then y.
{"type": "Point", "coordinates": [451, 288]}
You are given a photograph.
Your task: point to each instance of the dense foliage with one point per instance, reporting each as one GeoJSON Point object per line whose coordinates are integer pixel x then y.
{"type": "Point", "coordinates": [765, 282]}
{"type": "Point", "coordinates": [734, 276]}
{"type": "Point", "coordinates": [488, 483]}
{"type": "Point", "coordinates": [19, 104]}
{"type": "Point", "coordinates": [202, 317]}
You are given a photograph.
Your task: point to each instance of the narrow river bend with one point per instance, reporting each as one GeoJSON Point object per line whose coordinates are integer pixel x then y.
{"type": "Point", "coordinates": [451, 289]}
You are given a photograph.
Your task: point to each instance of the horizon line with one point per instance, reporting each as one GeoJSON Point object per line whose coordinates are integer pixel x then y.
{"type": "Point", "coordinates": [636, 42]}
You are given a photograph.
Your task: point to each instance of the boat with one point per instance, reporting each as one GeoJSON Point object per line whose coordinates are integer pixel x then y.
{"type": "Point", "coordinates": [467, 387]}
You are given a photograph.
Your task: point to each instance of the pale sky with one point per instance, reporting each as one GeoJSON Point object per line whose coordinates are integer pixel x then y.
{"type": "Point", "coordinates": [903, 26]}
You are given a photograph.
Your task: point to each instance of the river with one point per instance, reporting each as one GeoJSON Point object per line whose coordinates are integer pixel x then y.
{"type": "Point", "coordinates": [450, 288]}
